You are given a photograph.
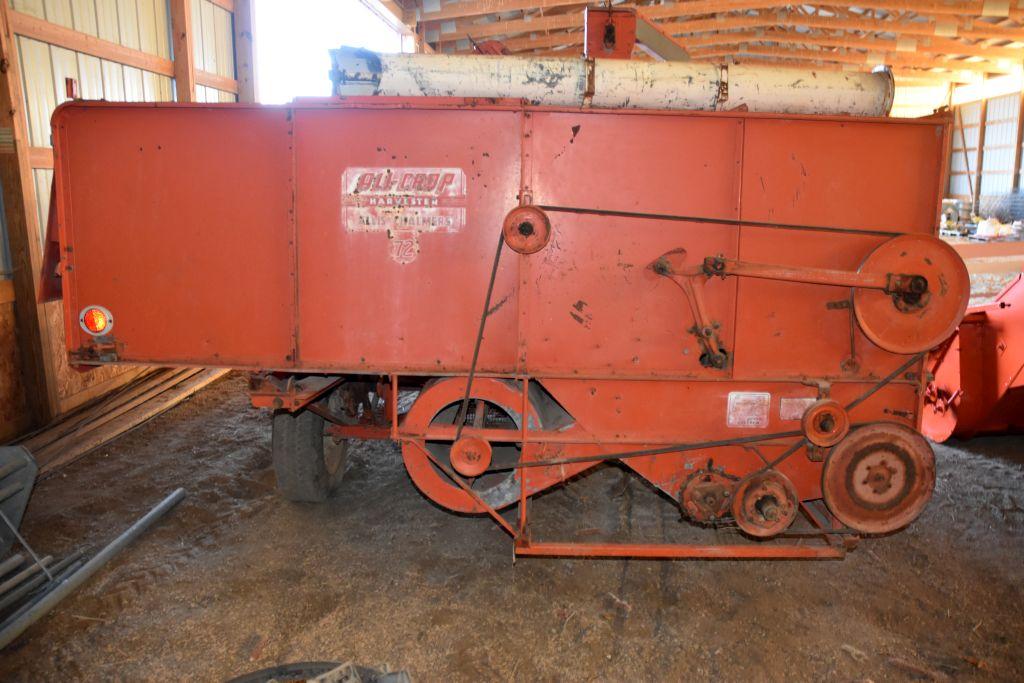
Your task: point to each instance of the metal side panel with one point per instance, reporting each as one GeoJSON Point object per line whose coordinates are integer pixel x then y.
{"type": "Point", "coordinates": [399, 214]}
{"type": "Point", "coordinates": [178, 221]}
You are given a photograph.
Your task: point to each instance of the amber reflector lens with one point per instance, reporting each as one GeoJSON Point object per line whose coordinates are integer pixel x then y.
{"type": "Point", "coordinates": [95, 320]}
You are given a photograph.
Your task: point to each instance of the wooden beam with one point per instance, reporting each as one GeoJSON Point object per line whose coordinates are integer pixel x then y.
{"type": "Point", "coordinates": [6, 291]}
{"type": "Point", "coordinates": [40, 157]}
{"type": "Point", "coordinates": [539, 42]}
{"type": "Point", "coordinates": [929, 30]}
{"type": "Point", "coordinates": [954, 14]}
{"type": "Point", "coordinates": [948, 27]}
{"type": "Point", "coordinates": [216, 81]}
{"type": "Point", "coordinates": [245, 62]}
{"type": "Point", "coordinates": [23, 232]}
{"type": "Point", "coordinates": [980, 159]}
{"type": "Point", "coordinates": [795, 38]}
{"type": "Point", "coordinates": [844, 57]}
{"type": "Point", "coordinates": [38, 29]}
{"type": "Point", "coordinates": [654, 40]}
{"type": "Point", "coordinates": [966, 8]}
{"type": "Point", "coordinates": [553, 22]}
{"type": "Point", "coordinates": [455, 10]}
{"type": "Point", "coordinates": [181, 40]}
{"type": "Point", "coordinates": [884, 47]}
{"type": "Point", "coordinates": [1018, 142]}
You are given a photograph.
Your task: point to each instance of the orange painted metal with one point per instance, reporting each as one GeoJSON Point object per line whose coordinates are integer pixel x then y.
{"type": "Point", "coordinates": [979, 372]}
{"type": "Point", "coordinates": [609, 33]}
{"type": "Point", "coordinates": [356, 237]}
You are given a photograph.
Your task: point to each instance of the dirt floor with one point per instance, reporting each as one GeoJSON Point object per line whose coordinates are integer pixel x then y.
{"type": "Point", "coordinates": [235, 579]}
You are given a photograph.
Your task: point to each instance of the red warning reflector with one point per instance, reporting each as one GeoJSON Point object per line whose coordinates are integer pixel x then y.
{"type": "Point", "coordinates": [96, 320]}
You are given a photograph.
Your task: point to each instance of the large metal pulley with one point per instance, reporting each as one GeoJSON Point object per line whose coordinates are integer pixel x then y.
{"type": "Point", "coordinates": [909, 294]}
{"type": "Point", "coordinates": [928, 288]}
{"type": "Point", "coordinates": [879, 478]}
{"type": "Point", "coordinates": [494, 405]}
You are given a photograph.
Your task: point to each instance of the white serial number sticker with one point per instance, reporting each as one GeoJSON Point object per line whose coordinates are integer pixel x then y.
{"type": "Point", "coordinates": [748, 409]}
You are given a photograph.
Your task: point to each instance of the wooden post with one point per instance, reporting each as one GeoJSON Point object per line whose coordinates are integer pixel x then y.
{"type": "Point", "coordinates": [245, 65]}
{"type": "Point", "coordinates": [1018, 142]}
{"type": "Point", "coordinates": [23, 231]}
{"type": "Point", "coordinates": [980, 160]}
{"type": "Point", "coordinates": [184, 61]}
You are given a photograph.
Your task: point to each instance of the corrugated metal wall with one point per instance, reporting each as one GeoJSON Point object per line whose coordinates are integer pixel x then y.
{"type": "Point", "coordinates": [959, 181]}
{"type": "Point", "coordinates": [212, 47]}
{"type": "Point", "coordinates": [139, 24]}
{"type": "Point", "coordinates": [1000, 145]}
{"type": "Point", "coordinates": [1001, 181]}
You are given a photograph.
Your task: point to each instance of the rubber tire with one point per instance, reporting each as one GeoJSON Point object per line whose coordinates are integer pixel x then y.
{"type": "Point", "coordinates": [309, 465]}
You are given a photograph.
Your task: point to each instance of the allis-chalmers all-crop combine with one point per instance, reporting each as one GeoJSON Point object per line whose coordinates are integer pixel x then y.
{"type": "Point", "coordinates": [604, 260]}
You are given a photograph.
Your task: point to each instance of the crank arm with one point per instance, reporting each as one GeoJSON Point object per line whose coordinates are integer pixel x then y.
{"type": "Point", "coordinates": [890, 283]}
{"type": "Point", "coordinates": [691, 280]}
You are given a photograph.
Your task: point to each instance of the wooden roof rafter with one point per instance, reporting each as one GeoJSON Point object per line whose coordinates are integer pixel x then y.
{"type": "Point", "coordinates": [838, 55]}
{"type": "Point", "coordinates": [941, 48]}
{"type": "Point", "coordinates": [962, 36]}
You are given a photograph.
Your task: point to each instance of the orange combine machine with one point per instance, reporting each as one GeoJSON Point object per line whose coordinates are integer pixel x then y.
{"type": "Point", "coordinates": [517, 292]}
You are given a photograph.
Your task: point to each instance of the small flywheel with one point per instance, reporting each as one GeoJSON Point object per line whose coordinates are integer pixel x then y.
{"type": "Point", "coordinates": [765, 504]}
{"type": "Point", "coordinates": [825, 423]}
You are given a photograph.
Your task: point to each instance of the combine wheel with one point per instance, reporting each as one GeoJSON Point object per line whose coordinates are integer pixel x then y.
{"type": "Point", "coordinates": [494, 404]}
{"type": "Point", "coordinates": [308, 463]}
{"type": "Point", "coordinates": [879, 478]}
{"type": "Point", "coordinates": [765, 504]}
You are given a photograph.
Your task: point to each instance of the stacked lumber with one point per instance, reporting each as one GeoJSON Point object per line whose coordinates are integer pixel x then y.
{"type": "Point", "coordinates": [148, 395]}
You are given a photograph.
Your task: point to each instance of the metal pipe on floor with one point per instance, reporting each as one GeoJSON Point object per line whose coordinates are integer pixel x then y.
{"type": "Point", "coordinates": [10, 564]}
{"type": "Point", "coordinates": [25, 573]}
{"type": "Point", "coordinates": [64, 588]}
{"type": "Point", "coordinates": [15, 595]}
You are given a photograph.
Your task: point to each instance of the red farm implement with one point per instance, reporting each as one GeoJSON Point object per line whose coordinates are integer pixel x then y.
{"type": "Point", "coordinates": [518, 293]}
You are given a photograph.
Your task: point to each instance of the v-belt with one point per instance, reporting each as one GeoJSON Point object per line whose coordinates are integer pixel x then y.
{"type": "Point", "coordinates": [712, 220]}
{"type": "Point", "coordinates": [676, 448]}
{"type": "Point", "coordinates": [742, 440]}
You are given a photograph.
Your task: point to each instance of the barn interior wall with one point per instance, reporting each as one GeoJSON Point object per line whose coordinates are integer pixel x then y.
{"type": "Point", "coordinates": [50, 73]}
{"type": "Point", "coordinates": [987, 136]}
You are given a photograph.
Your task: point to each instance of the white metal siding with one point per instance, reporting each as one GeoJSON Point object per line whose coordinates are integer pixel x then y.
{"type": "Point", "coordinates": [138, 24]}
{"type": "Point", "coordinates": [1000, 145]}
